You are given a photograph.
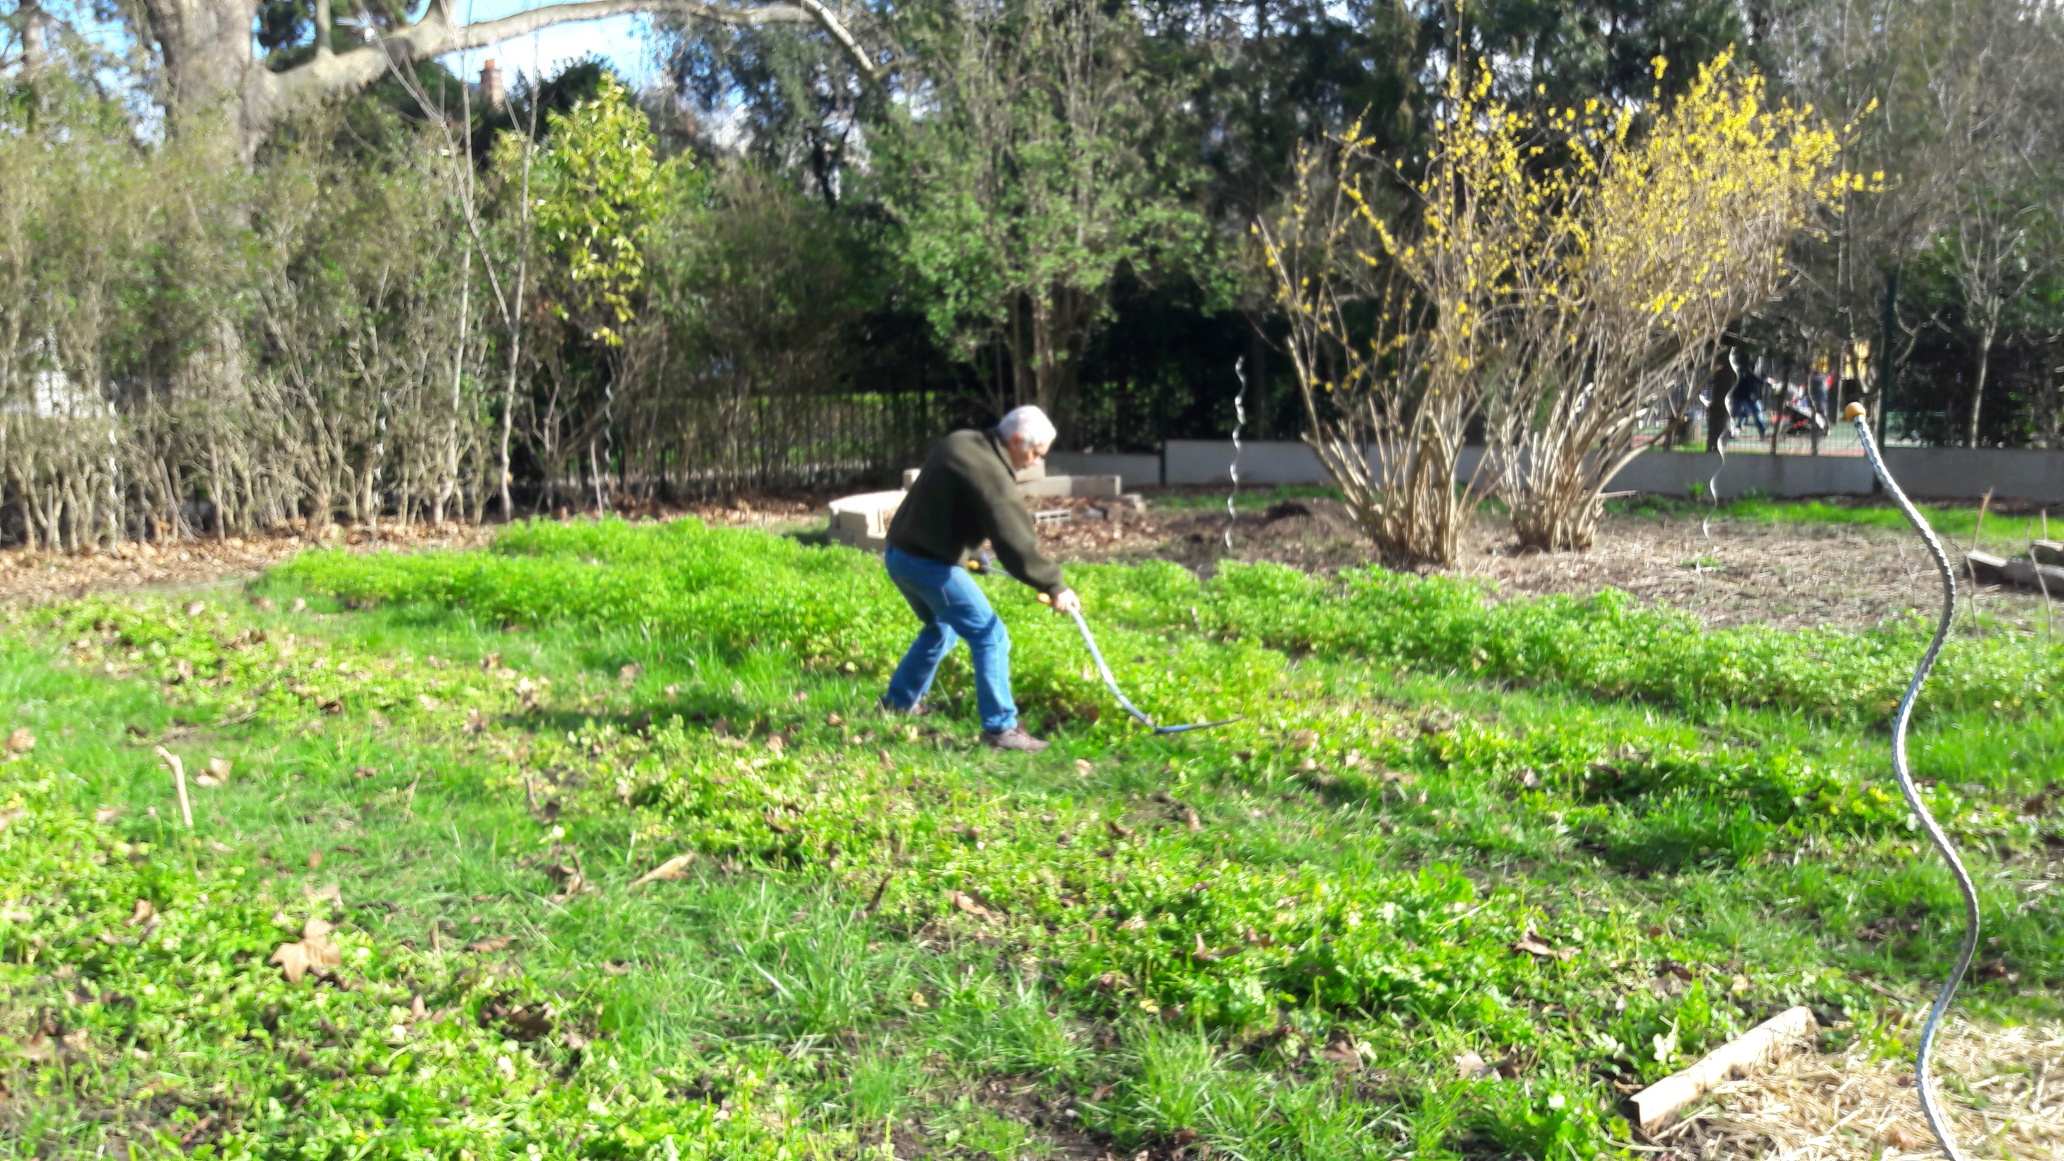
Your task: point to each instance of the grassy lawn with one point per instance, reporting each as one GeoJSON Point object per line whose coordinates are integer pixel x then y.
{"type": "Point", "coordinates": [2006, 535]}
{"type": "Point", "coordinates": [593, 845]}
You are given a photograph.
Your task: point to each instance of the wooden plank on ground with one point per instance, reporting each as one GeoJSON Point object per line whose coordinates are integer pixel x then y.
{"type": "Point", "coordinates": [2048, 551]}
{"type": "Point", "coordinates": [1985, 568]}
{"type": "Point", "coordinates": [1656, 1106]}
{"type": "Point", "coordinates": [2047, 577]}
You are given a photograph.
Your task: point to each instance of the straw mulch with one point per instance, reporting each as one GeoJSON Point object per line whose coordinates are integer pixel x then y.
{"type": "Point", "coordinates": [2004, 1087]}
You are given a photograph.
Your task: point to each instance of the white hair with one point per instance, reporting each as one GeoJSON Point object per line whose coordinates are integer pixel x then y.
{"type": "Point", "coordinates": [1029, 422]}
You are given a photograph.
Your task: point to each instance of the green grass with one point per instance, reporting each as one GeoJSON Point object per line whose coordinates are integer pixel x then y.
{"type": "Point", "coordinates": [1275, 938]}
{"type": "Point", "coordinates": [2004, 534]}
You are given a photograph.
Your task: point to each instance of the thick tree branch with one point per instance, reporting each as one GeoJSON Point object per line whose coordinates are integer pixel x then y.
{"type": "Point", "coordinates": [436, 34]}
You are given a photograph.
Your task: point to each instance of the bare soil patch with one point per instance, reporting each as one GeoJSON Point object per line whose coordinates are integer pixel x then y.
{"type": "Point", "coordinates": [1723, 571]}
{"type": "Point", "coordinates": [42, 576]}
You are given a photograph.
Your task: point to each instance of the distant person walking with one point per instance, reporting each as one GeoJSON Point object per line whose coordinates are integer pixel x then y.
{"type": "Point", "coordinates": [966, 493]}
{"type": "Point", "coordinates": [1746, 400]}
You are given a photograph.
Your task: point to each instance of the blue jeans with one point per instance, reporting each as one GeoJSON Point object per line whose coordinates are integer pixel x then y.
{"type": "Point", "coordinates": [1751, 409]}
{"type": "Point", "coordinates": [951, 605]}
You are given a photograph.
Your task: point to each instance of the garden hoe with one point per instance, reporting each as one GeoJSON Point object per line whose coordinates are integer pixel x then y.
{"type": "Point", "coordinates": [1097, 655]}
{"type": "Point", "coordinates": [1936, 1121]}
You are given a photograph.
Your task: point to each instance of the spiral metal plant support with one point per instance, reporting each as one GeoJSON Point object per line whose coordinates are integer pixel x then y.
{"type": "Point", "coordinates": [1929, 1105]}
{"type": "Point", "coordinates": [1239, 421]}
{"type": "Point", "coordinates": [1713, 485]}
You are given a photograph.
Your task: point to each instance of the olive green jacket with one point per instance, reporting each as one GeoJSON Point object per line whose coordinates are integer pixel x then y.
{"type": "Point", "coordinates": [966, 493]}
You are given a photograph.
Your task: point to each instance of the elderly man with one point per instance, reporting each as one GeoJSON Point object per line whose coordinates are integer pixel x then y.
{"type": "Point", "coordinates": [966, 493]}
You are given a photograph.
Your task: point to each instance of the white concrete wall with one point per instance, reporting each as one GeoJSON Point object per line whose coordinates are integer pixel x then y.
{"type": "Point", "coordinates": [1134, 471]}
{"type": "Point", "coordinates": [1262, 462]}
{"type": "Point", "coordinates": [1200, 461]}
{"type": "Point", "coordinates": [1937, 473]}
{"type": "Point", "coordinates": [1965, 473]}
{"type": "Point", "coordinates": [1675, 473]}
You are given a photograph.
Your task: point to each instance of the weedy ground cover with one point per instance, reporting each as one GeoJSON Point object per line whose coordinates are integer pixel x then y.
{"type": "Point", "coordinates": [609, 856]}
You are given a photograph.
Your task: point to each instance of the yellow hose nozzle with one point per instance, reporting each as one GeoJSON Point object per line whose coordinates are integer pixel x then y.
{"type": "Point", "coordinates": [1853, 411]}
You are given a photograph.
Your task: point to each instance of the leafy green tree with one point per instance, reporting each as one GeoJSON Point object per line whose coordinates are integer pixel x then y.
{"type": "Point", "coordinates": [1031, 167]}
{"type": "Point", "coordinates": [598, 188]}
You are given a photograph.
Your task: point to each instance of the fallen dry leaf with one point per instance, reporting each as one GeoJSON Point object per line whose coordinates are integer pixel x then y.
{"type": "Point", "coordinates": [363, 772]}
{"type": "Point", "coordinates": [332, 893]}
{"type": "Point", "coordinates": [1531, 944]}
{"type": "Point", "coordinates": [314, 859]}
{"type": "Point", "coordinates": [475, 721]}
{"type": "Point", "coordinates": [143, 914]}
{"type": "Point", "coordinates": [220, 768]}
{"type": "Point", "coordinates": [966, 902]}
{"type": "Point", "coordinates": [106, 815]}
{"type": "Point", "coordinates": [492, 943]}
{"type": "Point", "coordinates": [21, 741]}
{"type": "Point", "coordinates": [1343, 1053]}
{"type": "Point", "coordinates": [1470, 1066]}
{"type": "Point", "coordinates": [1118, 831]}
{"type": "Point", "coordinates": [672, 691]}
{"type": "Point", "coordinates": [629, 674]}
{"type": "Point", "coordinates": [776, 742]}
{"type": "Point", "coordinates": [314, 952]}
{"type": "Point", "coordinates": [1083, 766]}
{"type": "Point", "coordinates": [833, 720]}
{"type": "Point", "coordinates": [673, 870]}
{"type": "Point", "coordinates": [1190, 819]}
{"type": "Point", "coordinates": [196, 608]}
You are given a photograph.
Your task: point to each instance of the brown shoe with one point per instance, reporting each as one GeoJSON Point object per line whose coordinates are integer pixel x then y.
{"type": "Point", "coordinates": [1014, 738]}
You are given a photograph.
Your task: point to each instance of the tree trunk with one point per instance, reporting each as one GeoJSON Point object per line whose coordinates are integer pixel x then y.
{"type": "Point", "coordinates": [206, 48]}
{"type": "Point", "coordinates": [1985, 337]}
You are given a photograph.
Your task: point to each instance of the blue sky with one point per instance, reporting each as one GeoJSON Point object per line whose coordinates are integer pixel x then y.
{"type": "Point", "coordinates": [623, 40]}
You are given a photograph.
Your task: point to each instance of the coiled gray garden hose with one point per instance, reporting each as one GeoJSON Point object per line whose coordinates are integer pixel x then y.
{"type": "Point", "coordinates": [1929, 1107]}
